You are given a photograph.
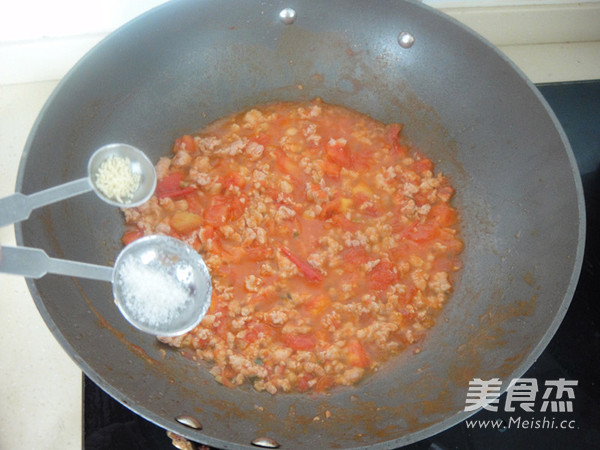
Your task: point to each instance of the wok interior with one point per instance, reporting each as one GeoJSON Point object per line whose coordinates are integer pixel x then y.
{"type": "Point", "coordinates": [188, 63]}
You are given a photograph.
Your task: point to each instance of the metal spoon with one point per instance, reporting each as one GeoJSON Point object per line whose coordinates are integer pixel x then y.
{"type": "Point", "coordinates": [163, 263]}
{"type": "Point", "coordinates": [17, 207]}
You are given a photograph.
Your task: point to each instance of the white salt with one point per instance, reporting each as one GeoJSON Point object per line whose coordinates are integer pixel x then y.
{"type": "Point", "coordinates": [151, 294]}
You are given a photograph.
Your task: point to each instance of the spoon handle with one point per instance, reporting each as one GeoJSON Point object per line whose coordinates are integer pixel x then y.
{"type": "Point", "coordinates": [35, 263]}
{"type": "Point", "coordinates": [17, 207]}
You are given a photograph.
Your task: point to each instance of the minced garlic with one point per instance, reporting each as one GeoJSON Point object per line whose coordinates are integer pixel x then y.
{"type": "Point", "coordinates": [116, 180]}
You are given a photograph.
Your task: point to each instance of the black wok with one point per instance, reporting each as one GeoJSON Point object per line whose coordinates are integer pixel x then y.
{"type": "Point", "coordinates": [187, 63]}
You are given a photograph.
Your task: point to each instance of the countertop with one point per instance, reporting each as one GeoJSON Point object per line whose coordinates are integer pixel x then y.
{"type": "Point", "coordinates": [40, 386]}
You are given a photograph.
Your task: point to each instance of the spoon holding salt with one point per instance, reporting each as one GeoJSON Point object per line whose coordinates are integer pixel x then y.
{"type": "Point", "coordinates": [161, 285]}
{"type": "Point", "coordinates": [120, 175]}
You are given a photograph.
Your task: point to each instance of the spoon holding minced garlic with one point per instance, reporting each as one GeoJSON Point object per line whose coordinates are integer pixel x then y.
{"type": "Point", "coordinates": [119, 174]}
{"type": "Point", "coordinates": [122, 175]}
{"type": "Point", "coordinates": [116, 180]}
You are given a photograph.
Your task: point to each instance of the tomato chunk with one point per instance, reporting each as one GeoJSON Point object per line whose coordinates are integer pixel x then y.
{"type": "Point", "coordinates": [355, 255]}
{"type": "Point", "coordinates": [356, 354]}
{"type": "Point", "coordinates": [318, 305]}
{"type": "Point", "coordinates": [132, 235]}
{"type": "Point", "coordinates": [186, 143]}
{"type": "Point", "coordinates": [287, 165]}
{"type": "Point", "coordinates": [340, 155]}
{"type": "Point", "coordinates": [393, 137]}
{"type": "Point", "coordinates": [422, 165]}
{"type": "Point", "coordinates": [331, 169]}
{"type": "Point", "coordinates": [257, 253]}
{"type": "Point", "coordinates": [443, 214]}
{"type": "Point", "coordinates": [257, 330]}
{"type": "Point", "coordinates": [331, 207]}
{"type": "Point", "coordinates": [217, 212]}
{"type": "Point", "coordinates": [423, 232]}
{"type": "Point", "coordinates": [234, 179]}
{"type": "Point", "coordinates": [306, 269]}
{"type": "Point", "coordinates": [185, 222]}
{"type": "Point", "coordinates": [323, 383]}
{"type": "Point", "coordinates": [382, 276]}
{"type": "Point", "coordinates": [344, 223]}
{"type": "Point", "coordinates": [303, 382]}
{"type": "Point", "coordinates": [300, 341]}
{"type": "Point", "coordinates": [172, 186]}
{"type": "Point", "coordinates": [196, 203]}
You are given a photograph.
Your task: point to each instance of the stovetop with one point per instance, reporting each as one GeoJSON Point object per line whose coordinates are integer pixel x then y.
{"type": "Point", "coordinates": [572, 355]}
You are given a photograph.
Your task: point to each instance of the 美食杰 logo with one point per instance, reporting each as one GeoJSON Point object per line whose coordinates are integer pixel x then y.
{"type": "Point", "coordinates": [523, 395]}
{"type": "Point", "coordinates": [558, 395]}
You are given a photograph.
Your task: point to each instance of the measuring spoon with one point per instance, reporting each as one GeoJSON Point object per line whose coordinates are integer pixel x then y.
{"type": "Point", "coordinates": [18, 207]}
{"type": "Point", "coordinates": [161, 285]}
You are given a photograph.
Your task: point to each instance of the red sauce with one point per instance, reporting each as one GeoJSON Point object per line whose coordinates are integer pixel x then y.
{"type": "Point", "coordinates": [331, 244]}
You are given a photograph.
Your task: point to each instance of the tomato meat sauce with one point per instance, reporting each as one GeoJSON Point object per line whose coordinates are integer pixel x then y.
{"type": "Point", "coordinates": [331, 244]}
